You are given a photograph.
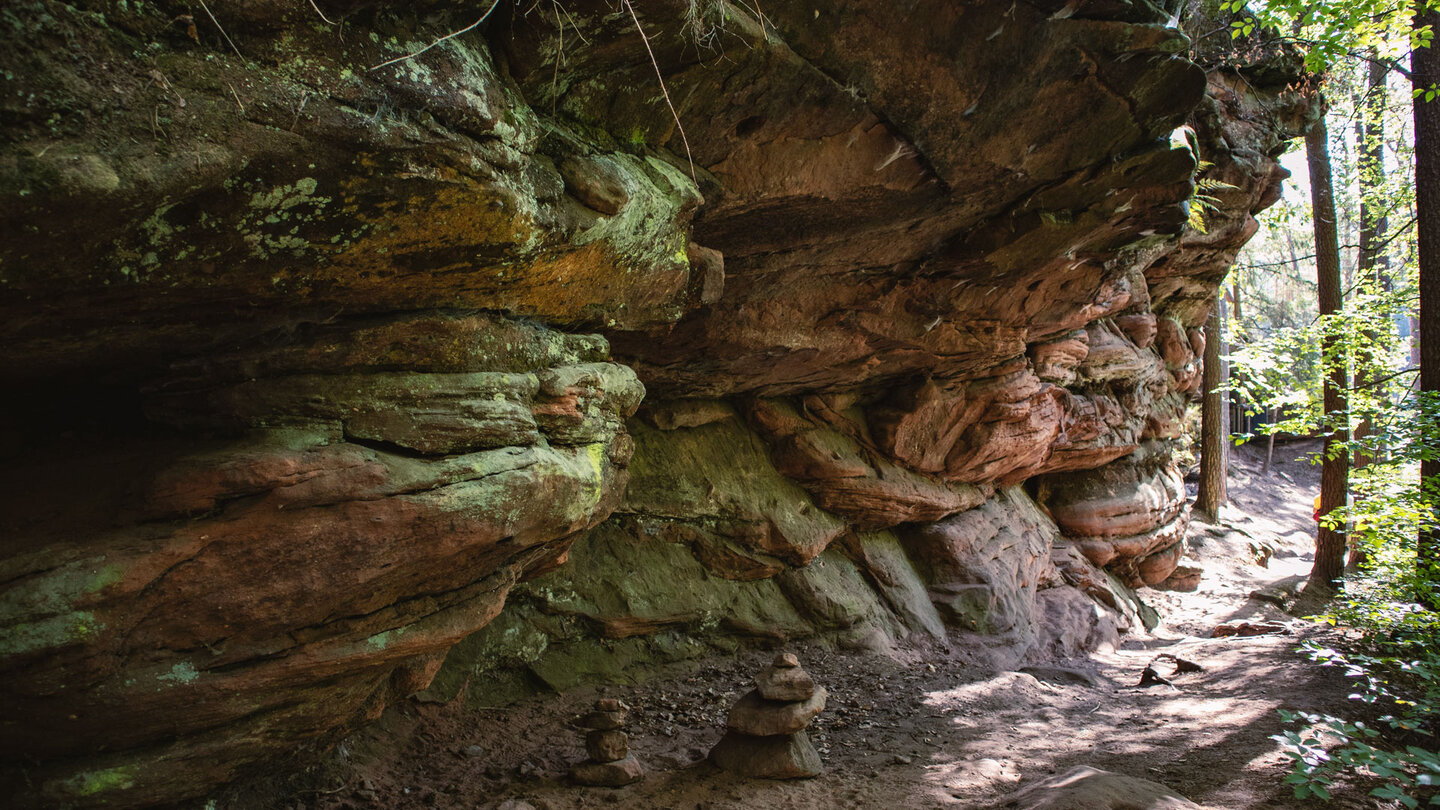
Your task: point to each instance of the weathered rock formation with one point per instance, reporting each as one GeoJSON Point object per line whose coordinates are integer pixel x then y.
{"type": "Point", "coordinates": [326, 334]}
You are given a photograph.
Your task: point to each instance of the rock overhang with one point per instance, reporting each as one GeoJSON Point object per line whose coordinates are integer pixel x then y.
{"type": "Point", "coordinates": [888, 272]}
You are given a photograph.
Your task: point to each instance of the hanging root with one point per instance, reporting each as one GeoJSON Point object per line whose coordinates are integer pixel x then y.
{"type": "Point", "coordinates": [663, 91]}
{"type": "Point", "coordinates": [211, 15]}
{"type": "Point", "coordinates": [448, 36]}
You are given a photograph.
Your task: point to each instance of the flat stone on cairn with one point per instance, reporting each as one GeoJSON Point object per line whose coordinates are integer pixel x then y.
{"type": "Point", "coordinates": [766, 736]}
{"type": "Point", "coordinates": [785, 680]}
{"type": "Point", "coordinates": [610, 763]}
{"type": "Point", "coordinates": [608, 774]}
{"type": "Point", "coordinates": [790, 756]}
{"type": "Point", "coordinates": [758, 717]}
{"type": "Point", "coordinates": [609, 714]}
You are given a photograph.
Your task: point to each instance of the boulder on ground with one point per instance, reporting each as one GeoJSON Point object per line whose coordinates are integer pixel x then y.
{"type": "Point", "coordinates": [1086, 788]}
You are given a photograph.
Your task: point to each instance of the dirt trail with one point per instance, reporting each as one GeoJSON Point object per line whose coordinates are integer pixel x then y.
{"type": "Point", "coordinates": [932, 731]}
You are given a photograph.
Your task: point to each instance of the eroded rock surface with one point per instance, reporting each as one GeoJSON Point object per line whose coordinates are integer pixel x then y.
{"type": "Point", "coordinates": [300, 576]}
{"type": "Point", "coordinates": [324, 353]}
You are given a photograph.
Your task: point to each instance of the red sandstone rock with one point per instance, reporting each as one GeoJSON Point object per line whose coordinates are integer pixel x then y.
{"type": "Point", "coordinates": [760, 717]}
{"type": "Point", "coordinates": [790, 756]}
{"type": "Point", "coordinates": [1139, 327]}
{"type": "Point", "coordinates": [784, 683]}
{"type": "Point", "coordinates": [607, 745]}
{"type": "Point", "coordinates": [609, 774]}
{"type": "Point", "coordinates": [329, 348]}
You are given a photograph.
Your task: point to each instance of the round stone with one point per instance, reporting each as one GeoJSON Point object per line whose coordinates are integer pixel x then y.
{"type": "Point", "coordinates": [607, 746]}
{"type": "Point", "coordinates": [785, 661]}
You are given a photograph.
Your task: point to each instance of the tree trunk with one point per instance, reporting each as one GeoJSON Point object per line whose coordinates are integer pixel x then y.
{"type": "Point", "coordinates": [1334, 469]}
{"type": "Point", "coordinates": [1425, 69]}
{"type": "Point", "coordinates": [1374, 225]}
{"type": "Point", "coordinates": [1227, 425]}
{"type": "Point", "coordinates": [1211, 495]}
{"type": "Point", "coordinates": [1370, 265]}
{"type": "Point", "coordinates": [1240, 420]}
{"type": "Point", "coordinates": [1270, 446]}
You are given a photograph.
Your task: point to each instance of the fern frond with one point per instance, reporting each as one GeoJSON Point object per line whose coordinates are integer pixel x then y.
{"type": "Point", "coordinates": [1204, 199]}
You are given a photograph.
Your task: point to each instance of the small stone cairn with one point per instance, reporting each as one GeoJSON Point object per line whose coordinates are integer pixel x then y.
{"type": "Point", "coordinates": [611, 763]}
{"type": "Point", "coordinates": [765, 736]}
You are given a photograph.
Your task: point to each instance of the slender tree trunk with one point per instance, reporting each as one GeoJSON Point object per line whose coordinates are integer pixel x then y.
{"type": "Point", "coordinates": [1425, 69]}
{"type": "Point", "coordinates": [1227, 426]}
{"type": "Point", "coordinates": [1294, 258]}
{"type": "Point", "coordinates": [1246, 424]}
{"type": "Point", "coordinates": [1374, 225]}
{"type": "Point", "coordinates": [1370, 260]}
{"type": "Point", "coordinates": [1334, 469]}
{"type": "Point", "coordinates": [1270, 446]}
{"type": "Point", "coordinates": [1211, 495]}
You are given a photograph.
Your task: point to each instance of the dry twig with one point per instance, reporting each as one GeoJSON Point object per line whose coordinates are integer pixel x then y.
{"type": "Point", "coordinates": [321, 13]}
{"type": "Point", "coordinates": [237, 98]}
{"type": "Point", "coordinates": [209, 14]}
{"type": "Point", "coordinates": [663, 91]}
{"type": "Point", "coordinates": [156, 131]}
{"type": "Point", "coordinates": [299, 110]}
{"type": "Point", "coordinates": [448, 36]}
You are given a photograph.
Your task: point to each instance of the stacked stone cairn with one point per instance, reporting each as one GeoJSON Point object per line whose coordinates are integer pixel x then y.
{"type": "Point", "coordinates": [611, 763]}
{"type": "Point", "coordinates": [765, 736]}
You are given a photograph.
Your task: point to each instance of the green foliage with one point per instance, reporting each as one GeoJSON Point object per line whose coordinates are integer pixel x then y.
{"type": "Point", "coordinates": [1333, 31]}
{"type": "Point", "coordinates": [1281, 369]}
{"type": "Point", "coordinates": [1391, 640]}
{"type": "Point", "coordinates": [1329, 746]}
{"type": "Point", "coordinates": [1400, 679]}
{"type": "Point", "coordinates": [1391, 644]}
{"type": "Point", "coordinates": [1204, 199]}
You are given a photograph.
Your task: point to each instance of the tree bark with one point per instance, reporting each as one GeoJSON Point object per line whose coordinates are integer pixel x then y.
{"type": "Point", "coordinates": [1425, 70]}
{"type": "Point", "coordinates": [1334, 469]}
{"type": "Point", "coordinates": [1211, 494]}
{"type": "Point", "coordinates": [1372, 260]}
{"type": "Point", "coordinates": [1371, 266]}
{"type": "Point", "coordinates": [1270, 445]}
{"type": "Point", "coordinates": [1235, 407]}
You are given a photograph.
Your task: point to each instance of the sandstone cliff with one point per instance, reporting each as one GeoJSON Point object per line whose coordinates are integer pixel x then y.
{"type": "Point", "coordinates": [335, 377]}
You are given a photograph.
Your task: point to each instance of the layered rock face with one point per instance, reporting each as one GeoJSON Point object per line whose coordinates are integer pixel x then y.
{"type": "Point", "coordinates": [325, 363]}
